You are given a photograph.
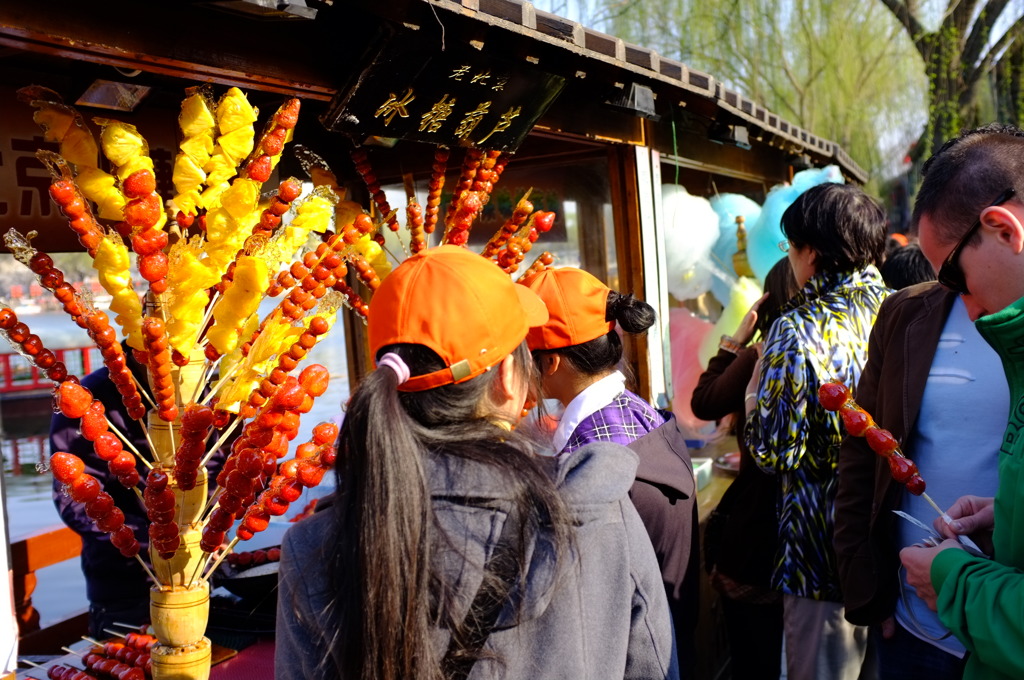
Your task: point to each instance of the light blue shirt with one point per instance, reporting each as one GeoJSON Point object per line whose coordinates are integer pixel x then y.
{"type": "Point", "coordinates": [956, 446]}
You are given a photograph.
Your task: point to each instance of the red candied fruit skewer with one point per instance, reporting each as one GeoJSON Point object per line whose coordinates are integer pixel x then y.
{"type": "Point", "coordinates": [518, 217]}
{"type": "Point", "coordinates": [365, 171]}
{"type": "Point", "coordinates": [69, 470]}
{"type": "Point", "coordinates": [835, 396]}
{"type": "Point", "coordinates": [160, 505]}
{"type": "Point", "coordinates": [470, 165]}
{"type": "Point", "coordinates": [141, 214]}
{"type": "Point", "coordinates": [75, 401]}
{"type": "Point", "coordinates": [261, 164]}
{"type": "Point", "coordinates": [196, 423]}
{"type": "Point", "coordinates": [434, 189]}
{"type": "Point", "coordinates": [154, 337]}
{"type": "Point", "coordinates": [32, 345]}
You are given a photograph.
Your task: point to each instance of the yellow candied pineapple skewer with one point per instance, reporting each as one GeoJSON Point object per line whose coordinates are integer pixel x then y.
{"type": "Point", "coordinates": [240, 300]}
{"type": "Point", "coordinates": [64, 125]}
{"type": "Point", "coordinates": [197, 125]}
{"type": "Point", "coordinates": [113, 266]}
{"type": "Point", "coordinates": [235, 141]}
{"type": "Point", "coordinates": [188, 278]}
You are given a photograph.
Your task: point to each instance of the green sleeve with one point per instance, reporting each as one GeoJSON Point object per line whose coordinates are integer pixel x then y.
{"type": "Point", "coordinates": [982, 603]}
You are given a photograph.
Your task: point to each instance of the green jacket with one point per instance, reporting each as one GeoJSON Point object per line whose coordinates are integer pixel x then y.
{"type": "Point", "coordinates": [982, 601]}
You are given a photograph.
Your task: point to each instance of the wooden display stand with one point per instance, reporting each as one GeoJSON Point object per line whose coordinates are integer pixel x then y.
{"type": "Point", "coordinates": [179, 607]}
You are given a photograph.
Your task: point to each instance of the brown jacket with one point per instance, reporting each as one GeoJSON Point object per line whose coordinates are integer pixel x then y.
{"type": "Point", "coordinates": [900, 352]}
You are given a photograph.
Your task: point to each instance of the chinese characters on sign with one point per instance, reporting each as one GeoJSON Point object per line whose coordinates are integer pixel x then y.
{"type": "Point", "coordinates": [433, 120]}
{"type": "Point", "coordinates": [446, 99]}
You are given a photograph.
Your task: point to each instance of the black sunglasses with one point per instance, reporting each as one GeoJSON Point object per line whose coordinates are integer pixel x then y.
{"type": "Point", "coordinates": [950, 274]}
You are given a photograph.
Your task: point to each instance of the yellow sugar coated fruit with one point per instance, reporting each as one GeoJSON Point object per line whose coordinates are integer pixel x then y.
{"type": "Point", "coordinates": [55, 120]}
{"type": "Point", "coordinates": [234, 112]}
{"type": "Point", "coordinates": [79, 147]}
{"type": "Point", "coordinates": [100, 187]}
{"type": "Point", "coordinates": [122, 142]}
{"type": "Point", "coordinates": [196, 117]}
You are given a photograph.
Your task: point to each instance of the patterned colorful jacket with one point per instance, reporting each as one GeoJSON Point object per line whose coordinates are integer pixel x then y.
{"type": "Point", "coordinates": [823, 336]}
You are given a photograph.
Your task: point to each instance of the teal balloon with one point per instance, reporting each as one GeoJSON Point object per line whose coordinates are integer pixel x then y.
{"type": "Point", "coordinates": [763, 238]}
{"type": "Point", "coordinates": [728, 207]}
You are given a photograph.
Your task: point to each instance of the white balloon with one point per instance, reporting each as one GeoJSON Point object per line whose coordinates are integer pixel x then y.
{"type": "Point", "coordinates": [691, 231]}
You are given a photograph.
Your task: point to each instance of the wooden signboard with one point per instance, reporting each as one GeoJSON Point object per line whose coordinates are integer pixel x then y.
{"type": "Point", "coordinates": [457, 97]}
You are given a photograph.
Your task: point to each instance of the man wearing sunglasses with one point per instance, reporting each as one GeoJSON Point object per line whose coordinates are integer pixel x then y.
{"type": "Point", "coordinates": [970, 218]}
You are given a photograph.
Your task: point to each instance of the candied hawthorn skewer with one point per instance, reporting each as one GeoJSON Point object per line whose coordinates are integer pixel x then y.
{"type": "Point", "coordinates": [66, 194]}
{"type": "Point", "coordinates": [467, 208]}
{"type": "Point", "coordinates": [75, 401]}
{"type": "Point", "coordinates": [313, 460]}
{"type": "Point", "coordinates": [196, 423]}
{"type": "Point", "coordinates": [516, 220]}
{"type": "Point", "coordinates": [112, 667]}
{"type": "Point", "coordinates": [154, 335]}
{"type": "Point", "coordinates": [61, 672]}
{"type": "Point", "coordinates": [164, 535]}
{"type": "Point", "coordinates": [69, 470]}
{"type": "Point", "coordinates": [434, 189]}
{"type": "Point", "coordinates": [261, 163]}
{"type": "Point", "coordinates": [414, 220]}
{"type": "Point", "coordinates": [543, 261]}
{"type": "Point", "coordinates": [142, 214]}
{"type": "Point", "coordinates": [835, 396]}
{"type": "Point", "coordinates": [470, 165]}
{"type": "Point", "coordinates": [31, 345]}
{"type": "Point", "coordinates": [521, 243]}
{"type": "Point", "coordinates": [365, 171]}
{"type": "Point", "coordinates": [487, 175]}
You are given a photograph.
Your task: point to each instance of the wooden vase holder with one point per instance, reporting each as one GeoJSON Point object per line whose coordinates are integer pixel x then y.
{"type": "Point", "coordinates": [180, 606]}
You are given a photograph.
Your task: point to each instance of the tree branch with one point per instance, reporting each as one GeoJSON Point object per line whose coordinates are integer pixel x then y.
{"type": "Point", "coordinates": [980, 32]}
{"type": "Point", "coordinates": [1004, 42]}
{"type": "Point", "coordinates": [909, 21]}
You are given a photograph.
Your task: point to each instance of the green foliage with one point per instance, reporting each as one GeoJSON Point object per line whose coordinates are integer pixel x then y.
{"type": "Point", "coordinates": [844, 70]}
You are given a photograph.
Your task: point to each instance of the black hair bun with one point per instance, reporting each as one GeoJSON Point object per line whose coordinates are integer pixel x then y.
{"type": "Point", "coordinates": [635, 316]}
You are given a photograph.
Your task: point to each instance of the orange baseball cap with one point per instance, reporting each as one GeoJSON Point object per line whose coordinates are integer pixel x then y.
{"type": "Point", "coordinates": [577, 303]}
{"type": "Point", "coordinates": [457, 303]}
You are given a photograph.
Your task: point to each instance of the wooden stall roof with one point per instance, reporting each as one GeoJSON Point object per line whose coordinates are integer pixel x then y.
{"type": "Point", "coordinates": [591, 53]}
{"type": "Point", "coordinates": [313, 58]}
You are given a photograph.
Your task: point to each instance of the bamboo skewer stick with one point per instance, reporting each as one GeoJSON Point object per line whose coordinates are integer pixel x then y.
{"type": "Point", "coordinates": [114, 632]}
{"type": "Point", "coordinates": [195, 573]}
{"type": "Point", "coordinates": [148, 571]}
{"type": "Point", "coordinates": [206, 373]}
{"type": "Point", "coordinates": [220, 383]}
{"type": "Point", "coordinates": [208, 508]}
{"type": "Point", "coordinates": [71, 651]}
{"type": "Point", "coordinates": [220, 442]}
{"type": "Point", "coordinates": [152, 446]}
{"type": "Point", "coordinates": [231, 546]}
{"type": "Point", "coordinates": [131, 447]}
{"type": "Point", "coordinates": [143, 392]}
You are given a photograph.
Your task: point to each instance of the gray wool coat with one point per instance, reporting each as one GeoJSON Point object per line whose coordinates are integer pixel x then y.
{"type": "Point", "coordinates": [602, 615]}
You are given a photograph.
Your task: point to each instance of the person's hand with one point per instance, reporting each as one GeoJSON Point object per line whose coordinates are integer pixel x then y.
{"type": "Point", "coordinates": [973, 516]}
{"type": "Point", "coordinates": [748, 324]}
{"type": "Point", "coordinates": [970, 514]}
{"type": "Point", "coordinates": [755, 376]}
{"type": "Point", "coordinates": [917, 560]}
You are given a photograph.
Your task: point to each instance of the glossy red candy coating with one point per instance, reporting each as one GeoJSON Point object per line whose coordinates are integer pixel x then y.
{"type": "Point", "coordinates": [915, 485]}
{"type": "Point", "coordinates": [66, 467]}
{"type": "Point", "coordinates": [902, 469]}
{"type": "Point", "coordinates": [855, 420]}
{"type": "Point", "coordinates": [881, 441]}
{"type": "Point", "coordinates": [833, 395]}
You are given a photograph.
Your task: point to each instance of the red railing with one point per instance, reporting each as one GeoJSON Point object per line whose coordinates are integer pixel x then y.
{"type": "Point", "coordinates": [18, 374]}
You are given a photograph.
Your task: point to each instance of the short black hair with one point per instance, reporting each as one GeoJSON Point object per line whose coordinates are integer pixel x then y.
{"type": "Point", "coordinates": [906, 266]}
{"type": "Point", "coordinates": [844, 226]}
{"type": "Point", "coordinates": [966, 175]}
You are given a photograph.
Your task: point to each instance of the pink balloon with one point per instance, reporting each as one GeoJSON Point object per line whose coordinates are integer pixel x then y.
{"type": "Point", "coordinates": [686, 333]}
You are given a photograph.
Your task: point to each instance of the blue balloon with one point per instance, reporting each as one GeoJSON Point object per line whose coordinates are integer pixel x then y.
{"type": "Point", "coordinates": [763, 238]}
{"type": "Point", "coordinates": [728, 207]}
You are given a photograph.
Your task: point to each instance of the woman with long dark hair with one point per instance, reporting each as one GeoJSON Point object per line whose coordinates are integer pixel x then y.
{"type": "Point", "coordinates": [452, 550]}
{"type": "Point", "coordinates": [578, 352]}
